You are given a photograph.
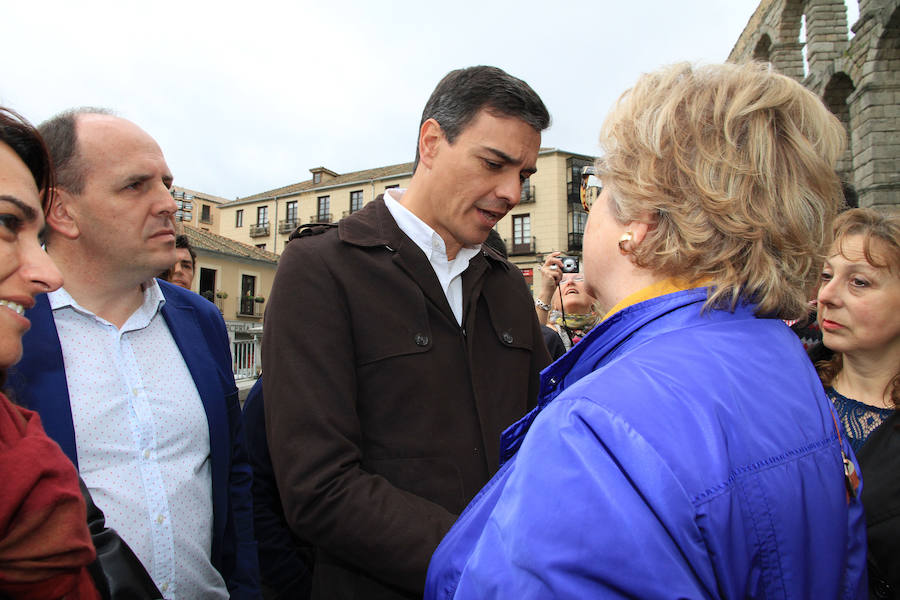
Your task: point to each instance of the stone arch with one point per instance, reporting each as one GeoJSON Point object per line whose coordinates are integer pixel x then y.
{"type": "Point", "coordinates": [763, 48]}
{"type": "Point", "coordinates": [826, 33]}
{"type": "Point", "coordinates": [790, 21]}
{"type": "Point", "coordinates": [787, 53]}
{"type": "Point", "coordinates": [835, 97]}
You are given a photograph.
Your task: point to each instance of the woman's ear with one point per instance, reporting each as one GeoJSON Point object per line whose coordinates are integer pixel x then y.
{"type": "Point", "coordinates": [61, 217]}
{"type": "Point", "coordinates": [641, 227]}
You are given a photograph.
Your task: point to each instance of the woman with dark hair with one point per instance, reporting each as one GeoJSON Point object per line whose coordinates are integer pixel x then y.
{"type": "Point", "coordinates": [859, 315]}
{"type": "Point", "coordinates": [685, 447]}
{"type": "Point", "coordinates": [46, 547]}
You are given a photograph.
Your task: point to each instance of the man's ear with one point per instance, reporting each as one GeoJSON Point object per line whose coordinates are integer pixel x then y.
{"type": "Point", "coordinates": [61, 217]}
{"type": "Point", "coordinates": [430, 137]}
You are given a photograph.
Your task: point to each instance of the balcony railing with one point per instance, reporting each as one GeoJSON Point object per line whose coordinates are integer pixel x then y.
{"type": "Point", "coordinates": [521, 247]}
{"type": "Point", "coordinates": [207, 220]}
{"type": "Point", "coordinates": [575, 241]}
{"type": "Point", "coordinates": [527, 195]}
{"type": "Point", "coordinates": [249, 307]}
{"type": "Point", "coordinates": [259, 230]}
{"type": "Point", "coordinates": [321, 218]}
{"type": "Point", "coordinates": [287, 226]}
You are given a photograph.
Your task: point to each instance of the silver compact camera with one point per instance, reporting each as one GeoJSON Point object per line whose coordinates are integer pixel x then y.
{"type": "Point", "coordinates": [569, 264]}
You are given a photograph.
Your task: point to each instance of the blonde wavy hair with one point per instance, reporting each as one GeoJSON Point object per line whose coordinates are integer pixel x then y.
{"type": "Point", "coordinates": [880, 231]}
{"type": "Point", "coordinates": [735, 165]}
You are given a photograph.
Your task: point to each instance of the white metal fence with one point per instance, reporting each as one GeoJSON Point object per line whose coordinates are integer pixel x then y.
{"type": "Point", "coordinates": [245, 355]}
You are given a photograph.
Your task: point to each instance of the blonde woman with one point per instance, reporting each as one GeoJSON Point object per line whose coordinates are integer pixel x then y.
{"type": "Point", "coordinates": [685, 447]}
{"type": "Point", "coordinates": [859, 315]}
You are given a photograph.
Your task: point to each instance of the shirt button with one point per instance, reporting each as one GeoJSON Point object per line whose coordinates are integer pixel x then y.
{"type": "Point", "coordinates": [146, 453]}
{"type": "Point", "coordinates": [160, 519]}
{"type": "Point", "coordinates": [421, 339]}
{"type": "Point", "coordinates": [134, 391]}
{"type": "Point", "coordinates": [164, 587]}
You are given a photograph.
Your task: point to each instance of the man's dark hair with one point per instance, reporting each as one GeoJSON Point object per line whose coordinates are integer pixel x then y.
{"type": "Point", "coordinates": [62, 142]}
{"type": "Point", "coordinates": [181, 241]}
{"type": "Point", "coordinates": [463, 92]}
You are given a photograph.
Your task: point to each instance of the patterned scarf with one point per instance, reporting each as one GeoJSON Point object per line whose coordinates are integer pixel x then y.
{"type": "Point", "coordinates": [577, 325]}
{"type": "Point", "coordinates": [45, 545]}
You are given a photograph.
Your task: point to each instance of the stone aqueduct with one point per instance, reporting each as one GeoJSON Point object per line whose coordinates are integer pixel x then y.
{"type": "Point", "coordinates": [857, 78]}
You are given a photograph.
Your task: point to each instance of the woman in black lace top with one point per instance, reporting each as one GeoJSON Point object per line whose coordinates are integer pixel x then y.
{"type": "Point", "coordinates": [859, 315]}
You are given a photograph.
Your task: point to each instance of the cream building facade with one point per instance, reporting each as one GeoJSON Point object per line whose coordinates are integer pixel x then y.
{"type": "Point", "coordinates": [548, 218]}
{"type": "Point", "coordinates": [237, 278]}
{"type": "Point", "coordinates": [196, 208]}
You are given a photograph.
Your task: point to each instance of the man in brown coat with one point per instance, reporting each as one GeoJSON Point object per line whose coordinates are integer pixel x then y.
{"type": "Point", "coordinates": [397, 348]}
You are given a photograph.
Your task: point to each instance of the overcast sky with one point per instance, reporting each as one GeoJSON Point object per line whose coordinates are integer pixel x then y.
{"type": "Point", "coordinates": [247, 96]}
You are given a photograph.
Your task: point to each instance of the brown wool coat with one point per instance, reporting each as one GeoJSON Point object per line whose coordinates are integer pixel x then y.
{"type": "Point", "coordinates": [383, 414]}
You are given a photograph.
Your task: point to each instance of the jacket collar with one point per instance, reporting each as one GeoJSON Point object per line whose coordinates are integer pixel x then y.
{"type": "Point", "coordinates": [608, 337]}
{"type": "Point", "coordinates": [374, 226]}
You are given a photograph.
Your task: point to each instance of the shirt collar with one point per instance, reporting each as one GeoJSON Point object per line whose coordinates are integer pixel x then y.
{"type": "Point", "coordinates": [152, 304]}
{"type": "Point", "coordinates": [419, 231]}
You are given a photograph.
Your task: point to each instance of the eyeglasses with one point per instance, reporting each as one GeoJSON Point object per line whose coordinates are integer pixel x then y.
{"type": "Point", "coordinates": [575, 278]}
{"type": "Point", "coordinates": [591, 187]}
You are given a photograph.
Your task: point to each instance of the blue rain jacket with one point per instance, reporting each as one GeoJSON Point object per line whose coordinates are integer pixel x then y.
{"type": "Point", "coordinates": [674, 453]}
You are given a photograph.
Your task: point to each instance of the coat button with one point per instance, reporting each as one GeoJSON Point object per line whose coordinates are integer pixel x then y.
{"type": "Point", "coordinates": [507, 337]}
{"type": "Point", "coordinates": [421, 339]}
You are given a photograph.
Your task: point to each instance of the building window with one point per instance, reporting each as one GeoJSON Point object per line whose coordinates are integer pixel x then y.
{"type": "Point", "coordinates": [248, 292]}
{"type": "Point", "coordinates": [356, 201]}
{"type": "Point", "coordinates": [522, 235]}
{"type": "Point", "coordinates": [261, 246]}
{"type": "Point", "coordinates": [317, 177]}
{"type": "Point", "coordinates": [577, 221]}
{"type": "Point", "coordinates": [291, 212]}
{"type": "Point", "coordinates": [239, 217]}
{"type": "Point", "coordinates": [205, 216]}
{"type": "Point", "coordinates": [208, 284]}
{"type": "Point", "coordinates": [392, 187]}
{"type": "Point", "coordinates": [323, 209]}
{"type": "Point", "coordinates": [527, 192]}
{"type": "Point", "coordinates": [262, 215]}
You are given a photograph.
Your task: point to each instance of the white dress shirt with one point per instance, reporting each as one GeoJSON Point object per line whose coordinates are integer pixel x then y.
{"type": "Point", "coordinates": [142, 440]}
{"type": "Point", "coordinates": [449, 272]}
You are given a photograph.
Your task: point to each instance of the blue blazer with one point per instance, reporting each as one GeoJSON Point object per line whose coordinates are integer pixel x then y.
{"type": "Point", "coordinates": [38, 382]}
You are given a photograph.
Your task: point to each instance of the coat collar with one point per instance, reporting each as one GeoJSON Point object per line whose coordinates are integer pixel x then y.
{"type": "Point", "coordinates": [373, 227]}
{"type": "Point", "coordinates": [609, 336]}
{"type": "Point", "coordinates": [606, 340]}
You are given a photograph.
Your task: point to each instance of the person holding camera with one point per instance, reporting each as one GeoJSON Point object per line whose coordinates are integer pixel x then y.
{"type": "Point", "coordinates": [564, 308]}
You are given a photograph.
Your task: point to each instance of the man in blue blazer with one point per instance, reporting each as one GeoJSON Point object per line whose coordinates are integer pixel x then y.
{"type": "Point", "coordinates": [131, 376]}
